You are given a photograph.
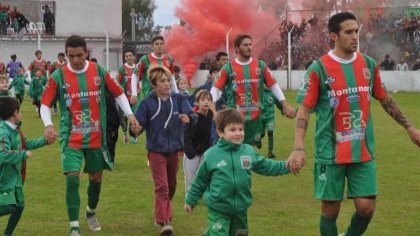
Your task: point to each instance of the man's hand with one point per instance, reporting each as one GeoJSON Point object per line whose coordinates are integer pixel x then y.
{"type": "Point", "coordinates": [288, 111]}
{"type": "Point", "coordinates": [414, 135]}
{"type": "Point", "coordinates": [134, 125]}
{"type": "Point", "coordinates": [50, 134]}
{"type": "Point", "coordinates": [188, 208]}
{"type": "Point", "coordinates": [296, 160]}
{"type": "Point", "coordinates": [133, 100]}
{"type": "Point", "coordinates": [184, 118]}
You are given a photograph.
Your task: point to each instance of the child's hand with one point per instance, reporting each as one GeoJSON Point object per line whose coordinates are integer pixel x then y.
{"type": "Point", "coordinates": [133, 100]}
{"type": "Point", "coordinates": [184, 118]}
{"type": "Point", "coordinates": [188, 208]}
{"type": "Point", "coordinates": [28, 154]}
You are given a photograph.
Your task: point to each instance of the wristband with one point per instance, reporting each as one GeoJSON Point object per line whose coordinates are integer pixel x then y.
{"type": "Point", "coordinates": [299, 149]}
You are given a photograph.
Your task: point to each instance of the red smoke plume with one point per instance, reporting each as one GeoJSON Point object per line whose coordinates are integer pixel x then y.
{"type": "Point", "coordinates": [207, 23]}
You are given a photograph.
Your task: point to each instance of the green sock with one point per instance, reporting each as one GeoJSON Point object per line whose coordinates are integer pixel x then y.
{"type": "Point", "coordinates": [13, 221]}
{"type": "Point", "coordinates": [358, 225]}
{"type": "Point", "coordinates": [270, 141]}
{"type": "Point", "coordinates": [6, 210]}
{"type": "Point", "coordinates": [328, 226]}
{"type": "Point", "coordinates": [72, 197]}
{"type": "Point", "coordinates": [94, 189]}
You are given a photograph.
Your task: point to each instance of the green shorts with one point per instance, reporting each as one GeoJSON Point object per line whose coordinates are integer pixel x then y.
{"type": "Point", "coordinates": [267, 124]}
{"type": "Point", "coordinates": [95, 160]}
{"type": "Point", "coordinates": [252, 131]}
{"type": "Point", "coordinates": [329, 180]}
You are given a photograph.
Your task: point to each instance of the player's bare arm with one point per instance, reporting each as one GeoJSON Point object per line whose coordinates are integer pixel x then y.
{"type": "Point", "coordinates": [297, 158]}
{"type": "Point", "coordinates": [391, 107]}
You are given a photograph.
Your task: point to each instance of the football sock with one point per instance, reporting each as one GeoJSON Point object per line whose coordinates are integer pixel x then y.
{"type": "Point", "coordinates": [328, 226]}
{"type": "Point", "coordinates": [270, 140]}
{"type": "Point", "coordinates": [72, 197]}
{"type": "Point", "coordinates": [358, 225]}
{"type": "Point", "coordinates": [94, 189]}
{"type": "Point", "coordinates": [13, 221]}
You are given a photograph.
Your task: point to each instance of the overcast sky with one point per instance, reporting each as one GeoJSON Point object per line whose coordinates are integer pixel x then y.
{"type": "Point", "coordinates": [164, 13]}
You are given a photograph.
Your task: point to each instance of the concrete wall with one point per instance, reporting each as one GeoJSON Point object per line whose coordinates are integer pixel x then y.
{"type": "Point", "coordinates": [408, 81]}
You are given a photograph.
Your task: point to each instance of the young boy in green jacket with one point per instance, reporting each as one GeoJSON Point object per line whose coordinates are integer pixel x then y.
{"type": "Point", "coordinates": [19, 83]}
{"type": "Point", "coordinates": [14, 150]}
{"type": "Point", "coordinates": [224, 177]}
{"type": "Point", "coordinates": [36, 88]}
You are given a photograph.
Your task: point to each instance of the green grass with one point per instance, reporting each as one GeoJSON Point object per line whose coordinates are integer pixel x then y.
{"type": "Point", "coordinates": [282, 205]}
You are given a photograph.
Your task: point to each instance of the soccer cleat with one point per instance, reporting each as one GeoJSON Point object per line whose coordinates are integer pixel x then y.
{"type": "Point", "coordinates": [271, 155]}
{"type": "Point", "coordinates": [93, 223]}
{"type": "Point", "coordinates": [125, 138]}
{"type": "Point", "coordinates": [134, 140]}
{"type": "Point", "coordinates": [166, 229]}
{"type": "Point", "coordinates": [75, 232]}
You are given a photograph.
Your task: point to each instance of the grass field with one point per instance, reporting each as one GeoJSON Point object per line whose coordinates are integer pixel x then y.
{"type": "Point", "coordinates": [282, 205]}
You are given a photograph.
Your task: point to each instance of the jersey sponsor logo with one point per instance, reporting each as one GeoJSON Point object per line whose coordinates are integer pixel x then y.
{"type": "Point", "coordinates": [348, 135]}
{"type": "Point", "coordinates": [97, 80]}
{"type": "Point", "coordinates": [334, 102]}
{"type": "Point", "coordinates": [246, 162]}
{"type": "Point", "coordinates": [330, 80]}
{"type": "Point", "coordinates": [353, 98]}
{"type": "Point", "coordinates": [366, 73]}
{"type": "Point", "coordinates": [258, 71]}
{"type": "Point", "coordinates": [221, 163]}
{"type": "Point", "coordinates": [84, 122]}
{"type": "Point", "coordinates": [349, 90]}
{"type": "Point", "coordinates": [84, 100]}
{"type": "Point", "coordinates": [82, 94]}
{"type": "Point", "coordinates": [247, 81]}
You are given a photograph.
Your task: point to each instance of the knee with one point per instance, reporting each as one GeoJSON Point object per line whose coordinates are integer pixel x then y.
{"type": "Point", "coordinates": [331, 209]}
{"type": "Point", "coordinates": [367, 210]}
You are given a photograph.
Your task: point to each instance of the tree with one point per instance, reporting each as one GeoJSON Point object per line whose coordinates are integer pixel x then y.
{"type": "Point", "coordinates": [143, 9]}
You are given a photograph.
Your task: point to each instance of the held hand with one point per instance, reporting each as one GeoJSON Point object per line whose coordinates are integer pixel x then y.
{"type": "Point", "coordinates": [134, 125]}
{"type": "Point", "coordinates": [188, 208]}
{"type": "Point", "coordinates": [28, 154]}
{"type": "Point", "coordinates": [133, 100]}
{"type": "Point", "coordinates": [50, 134]}
{"type": "Point", "coordinates": [296, 161]}
{"type": "Point", "coordinates": [414, 135]}
{"type": "Point", "coordinates": [184, 118]}
{"type": "Point", "coordinates": [288, 111]}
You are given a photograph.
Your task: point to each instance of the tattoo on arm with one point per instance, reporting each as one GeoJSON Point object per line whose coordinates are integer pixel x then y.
{"type": "Point", "coordinates": [391, 107]}
{"type": "Point", "coordinates": [302, 123]}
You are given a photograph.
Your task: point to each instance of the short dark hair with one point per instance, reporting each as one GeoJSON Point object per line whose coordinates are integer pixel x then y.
{"type": "Point", "coordinates": [335, 21]}
{"type": "Point", "coordinates": [13, 57]}
{"type": "Point", "coordinates": [239, 38]}
{"type": "Point", "coordinates": [61, 54]}
{"type": "Point", "coordinates": [37, 69]}
{"type": "Point", "coordinates": [38, 51]}
{"type": "Point", "coordinates": [228, 116]}
{"type": "Point", "coordinates": [220, 54]}
{"type": "Point", "coordinates": [8, 106]}
{"type": "Point", "coordinates": [129, 50]}
{"type": "Point", "coordinates": [214, 68]}
{"type": "Point", "coordinates": [157, 37]}
{"type": "Point", "coordinates": [75, 41]}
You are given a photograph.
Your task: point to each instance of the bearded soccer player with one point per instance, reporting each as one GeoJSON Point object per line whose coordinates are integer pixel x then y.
{"type": "Point", "coordinates": [39, 62]}
{"type": "Point", "coordinates": [80, 88]}
{"type": "Point", "coordinates": [157, 57]}
{"type": "Point", "coordinates": [243, 80]}
{"type": "Point", "coordinates": [338, 87]}
{"type": "Point", "coordinates": [125, 73]}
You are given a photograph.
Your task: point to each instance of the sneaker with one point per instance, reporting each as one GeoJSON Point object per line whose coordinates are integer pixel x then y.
{"type": "Point", "coordinates": [93, 223]}
{"type": "Point", "coordinates": [134, 140]}
{"type": "Point", "coordinates": [342, 234]}
{"type": "Point", "coordinates": [125, 139]}
{"type": "Point", "coordinates": [75, 232]}
{"type": "Point", "coordinates": [271, 155]}
{"type": "Point", "coordinates": [258, 144]}
{"type": "Point", "coordinates": [166, 229]}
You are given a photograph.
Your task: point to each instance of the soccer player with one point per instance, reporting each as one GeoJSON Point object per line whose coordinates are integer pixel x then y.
{"type": "Point", "coordinates": [125, 73]}
{"type": "Point", "coordinates": [157, 57]}
{"type": "Point", "coordinates": [61, 61]}
{"type": "Point", "coordinates": [244, 78]}
{"type": "Point", "coordinates": [13, 65]}
{"type": "Point", "coordinates": [39, 62]}
{"type": "Point", "coordinates": [80, 87]}
{"type": "Point", "coordinates": [338, 87]}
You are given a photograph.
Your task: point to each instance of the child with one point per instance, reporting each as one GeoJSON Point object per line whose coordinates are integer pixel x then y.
{"type": "Point", "coordinates": [162, 114]}
{"type": "Point", "coordinates": [19, 82]}
{"type": "Point", "coordinates": [36, 88]}
{"type": "Point", "coordinates": [13, 153]}
{"type": "Point", "coordinates": [197, 136]}
{"type": "Point", "coordinates": [224, 177]}
{"type": "Point", "coordinates": [182, 86]}
{"type": "Point", "coordinates": [4, 85]}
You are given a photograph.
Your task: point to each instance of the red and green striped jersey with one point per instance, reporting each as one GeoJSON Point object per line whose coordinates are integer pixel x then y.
{"type": "Point", "coordinates": [56, 65]}
{"type": "Point", "coordinates": [339, 92]}
{"type": "Point", "coordinates": [243, 82]}
{"type": "Point", "coordinates": [38, 64]}
{"type": "Point", "coordinates": [149, 60]}
{"type": "Point", "coordinates": [124, 78]}
{"type": "Point", "coordinates": [81, 95]}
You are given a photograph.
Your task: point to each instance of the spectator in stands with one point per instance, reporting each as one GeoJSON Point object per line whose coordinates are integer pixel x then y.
{"type": "Point", "coordinates": [402, 66]}
{"type": "Point", "coordinates": [388, 63]}
{"type": "Point", "coordinates": [49, 20]}
{"type": "Point", "coordinates": [416, 65]}
{"type": "Point", "coordinates": [12, 66]}
{"type": "Point", "coordinates": [22, 22]}
{"type": "Point", "coordinates": [4, 18]}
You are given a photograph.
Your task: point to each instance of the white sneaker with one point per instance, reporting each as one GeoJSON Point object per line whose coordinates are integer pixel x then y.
{"type": "Point", "coordinates": [166, 229]}
{"type": "Point", "coordinates": [75, 232]}
{"type": "Point", "coordinates": [342, 234]}
{"type": "Point", "coordinates": [93, 223]}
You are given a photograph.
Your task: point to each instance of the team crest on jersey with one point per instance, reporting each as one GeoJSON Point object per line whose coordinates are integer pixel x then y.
{"type": "Point", "coordinates": [97, 80]}
{"type": "Point", "coordinates": [329, 80]}
{"type": "Point", "coordinates": [258, 71]}
{"type": "Point", "coordinates": [366, 73]}
{"type": "Point", "coordinates": [246, 162]}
